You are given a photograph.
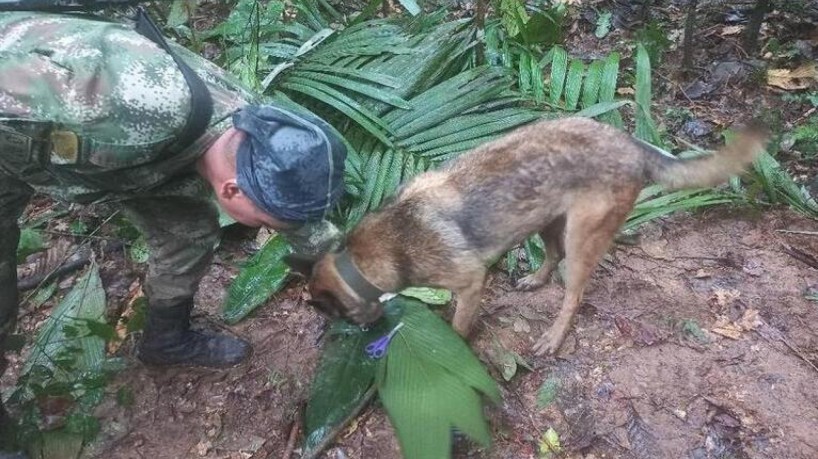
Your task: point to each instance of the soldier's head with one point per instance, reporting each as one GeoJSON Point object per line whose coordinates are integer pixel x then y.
{"type": "Point", "coordinates": [276, 168]}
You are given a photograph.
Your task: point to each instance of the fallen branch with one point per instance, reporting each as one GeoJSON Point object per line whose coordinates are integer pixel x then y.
{"type": "Point", "coordinates": [771, 333]}
{"type": "Point", "coordinates": [801, 256]}
{"type": "Point", "coordinates": [73, 263]}
{"type": "Point", "coordinates": [808, 233]}
{"type": "Point", "coordinates": [288, 451]}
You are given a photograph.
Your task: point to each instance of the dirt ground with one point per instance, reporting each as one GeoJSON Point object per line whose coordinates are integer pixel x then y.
{"type": "Point", "coordinates": [642, 375]}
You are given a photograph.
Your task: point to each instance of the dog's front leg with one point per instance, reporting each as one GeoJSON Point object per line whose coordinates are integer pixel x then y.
{"type": "Point", "coordinates": [468, 306]}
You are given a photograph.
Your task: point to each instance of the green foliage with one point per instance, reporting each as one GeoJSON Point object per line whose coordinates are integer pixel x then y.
{"type": "Point", "coordinates": [549, 444]}
{"type": "Point", "coordinates": [67, 363]}
{"type": "Point", "coordinates": [513, 15]}
{"type": "Point", "coordinates": [428, 295]}
{"type": "Point", "coordinates": [653, 37]}
{"type": "Point", "coordinates": [603, 24]}
{"type": "Point", "coordinates": [342, 380]}
{"type": "Point", "coordinates": [591, 87]}
{"type": "Point", "coordinates": [652, 204]}
{"type": "Point", "coordinates": [779, 187]}
{"type": "Point", "coordinates": [31, 241]}
{"type": "Point", "coordinates": [548, 392]}
{"type": "Point", "coordinates": [429, 381]}
{"type": "Point", "coordinates": [78, 228]}
{"type": "Point", "coordinates": [139, 251]}
{"type": "Point", "coordinates": [262, 275]}
{"type": "Point", "coordinates": [43, 294]}
{"type": "Point", "coordinates": [645, 127]}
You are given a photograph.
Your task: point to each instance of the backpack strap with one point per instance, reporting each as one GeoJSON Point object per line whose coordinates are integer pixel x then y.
{"type": "Point", "coordinates": [201, 103]}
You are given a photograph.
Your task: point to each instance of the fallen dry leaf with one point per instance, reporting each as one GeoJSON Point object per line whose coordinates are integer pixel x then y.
{"type": "Point", "coordinates": [733, 330]}
{"type": "Point", "coordinates": [702, 274]}
{"type": "Point", "coordinates": [731, 30]}
{"type": "Point", "coordinates": [750, 320]}
{"type": "Point", "coordinates": [626, 91]}
{"type": "Point", "coordinates": [722, 297]}
{"type": "Point", "coordinates": [791, 80]}
{"type": "Point", "coordinates": [724, 327]}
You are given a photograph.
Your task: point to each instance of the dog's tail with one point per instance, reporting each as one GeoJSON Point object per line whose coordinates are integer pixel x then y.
{"type": "Point", "coordinates": [709, 170]}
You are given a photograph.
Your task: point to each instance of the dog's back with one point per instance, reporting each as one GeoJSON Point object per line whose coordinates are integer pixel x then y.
{"type": "Point", "coordinates": [530, 177]}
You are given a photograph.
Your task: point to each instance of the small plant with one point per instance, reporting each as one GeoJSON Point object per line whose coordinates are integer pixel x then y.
{"type": "Point", "coordinates": [65, 375]}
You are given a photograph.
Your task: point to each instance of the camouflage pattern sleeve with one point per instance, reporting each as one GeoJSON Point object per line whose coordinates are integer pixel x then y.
{"type": "Point", "coordinates": [112, 88]}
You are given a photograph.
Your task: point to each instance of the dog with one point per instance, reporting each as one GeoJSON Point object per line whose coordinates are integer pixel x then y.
{"type": "Point", "coordinates": [573, 180]}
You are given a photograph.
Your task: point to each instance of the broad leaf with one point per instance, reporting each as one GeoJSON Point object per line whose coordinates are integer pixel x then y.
{"type": "Point", "coordinates": [262, 276]}
{"type": "Point", "coordinates": [429, 295]}
{"type": "Point", "coordinates": [645, 128]}
{"type": "Point", "coordinates": [430, 382]}
{"type": "Point", "coordinates": [66, 331]}
{"type": "Point", "coordinates": [31, 241]}
{"type": "Point", "coordinates": [342, 380]}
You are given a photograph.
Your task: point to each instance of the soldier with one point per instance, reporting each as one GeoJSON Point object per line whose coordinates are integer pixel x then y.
{"type": "Point", "coordinates": [94, 111]}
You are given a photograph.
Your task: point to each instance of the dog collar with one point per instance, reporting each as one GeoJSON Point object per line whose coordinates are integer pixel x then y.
{"type": "Point", "coordinates": [352, 276]}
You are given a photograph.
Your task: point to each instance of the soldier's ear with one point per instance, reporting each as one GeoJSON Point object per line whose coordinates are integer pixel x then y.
{"type": "Point", "coordinates": [300, 264]}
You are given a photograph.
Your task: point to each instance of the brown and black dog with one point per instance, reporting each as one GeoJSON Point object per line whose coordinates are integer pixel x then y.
{"type": "Point", "coordinates": [573, 181]}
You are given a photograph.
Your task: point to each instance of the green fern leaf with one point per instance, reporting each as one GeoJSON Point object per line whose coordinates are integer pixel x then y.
{"type": "Point", "coordinates": [590, 92]}
{"type": "Point", "coordinates": [573, 84]}
{"type": "Point", "coordinates": [607, 88]}
{"type": "Point", "coordinates": [559, 69]}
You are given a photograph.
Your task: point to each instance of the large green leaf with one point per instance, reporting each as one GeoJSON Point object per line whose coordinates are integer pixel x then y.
{"type": "Point", "coordinates": [651, 204]}
{"type": "Point", "coordinates": [262, 276]}
{"type": "Point", "coordinates": [342, 380]}
{"type": "Point", "coordinates": [573, 84]}
{"type": "Point", "coordinates": [779, 186]}
{"type": "Point", "coordinates": [64, 344]}
{"type": "Point", "coordinates": [430, 382]}
{"type": "Point", "coordinates": [645, 128]}
{"type": "Point", "coordinates": [607, 87]}
{"type": "Point", "coordinates": [559, 69]}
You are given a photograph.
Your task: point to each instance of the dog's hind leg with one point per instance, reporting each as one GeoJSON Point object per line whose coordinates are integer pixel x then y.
{"type": "Point", "coordinates": [592, 223]}
{"type": "Point", "coordinates": [553, 235]}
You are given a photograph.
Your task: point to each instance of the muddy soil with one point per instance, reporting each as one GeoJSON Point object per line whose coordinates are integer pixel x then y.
{"type": "Point", "coordinates": [696, 342]}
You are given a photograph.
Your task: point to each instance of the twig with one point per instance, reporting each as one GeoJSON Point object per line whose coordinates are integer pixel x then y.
{"type": "Point", "coordinates": [800, 255]}
{"type": "Point", "coordinates": [328, 439]}
{"type": "Point", "coordinates": [70, 254]}
{"type": "Point", "coordinates": [808, 233]}
{"type": "Point", "coordinates": [480, 10]}
{"type": "Point", "coordinates": [288, 451]}
{"type": "Point", "coordinates": [68, 266]}
{"type": "Point", "coordinates": [690, 21]}
{"type": "Point", "coordinates": [770, 330]}
{"type": "Point", "coordinates": [798, 353]}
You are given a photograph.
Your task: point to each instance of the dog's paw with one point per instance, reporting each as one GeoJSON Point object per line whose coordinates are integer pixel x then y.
{"type": "Point", "coordinates": [529, 282]}
{"type": "Point", "coordinates": [546, 346]}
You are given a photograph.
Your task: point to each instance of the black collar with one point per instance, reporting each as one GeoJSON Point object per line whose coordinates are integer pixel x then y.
{"type": "Point", "coordinates": [352, 276]}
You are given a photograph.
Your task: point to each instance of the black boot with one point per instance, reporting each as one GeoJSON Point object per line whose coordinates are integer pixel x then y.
{"type": "Point", "coordinates": [168, 340]}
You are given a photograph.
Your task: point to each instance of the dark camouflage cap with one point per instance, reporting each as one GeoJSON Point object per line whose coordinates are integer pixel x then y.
{"type": "Point", "coordinates": [290, 165]}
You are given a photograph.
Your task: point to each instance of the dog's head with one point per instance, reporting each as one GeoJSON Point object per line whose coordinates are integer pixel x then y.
{"type": "Point", "coordinates": [331, 294]}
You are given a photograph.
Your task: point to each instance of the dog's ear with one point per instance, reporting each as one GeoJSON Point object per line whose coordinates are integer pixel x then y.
{"type": "Point", "coordinates": [301, 264]}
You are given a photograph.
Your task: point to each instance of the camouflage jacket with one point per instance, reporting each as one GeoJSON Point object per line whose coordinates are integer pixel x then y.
{"type": "Point", "coordinates": [65, 76]}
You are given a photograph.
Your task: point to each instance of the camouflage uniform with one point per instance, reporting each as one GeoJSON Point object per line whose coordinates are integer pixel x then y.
{"type": "Point", "coordinates": [63, 78]}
